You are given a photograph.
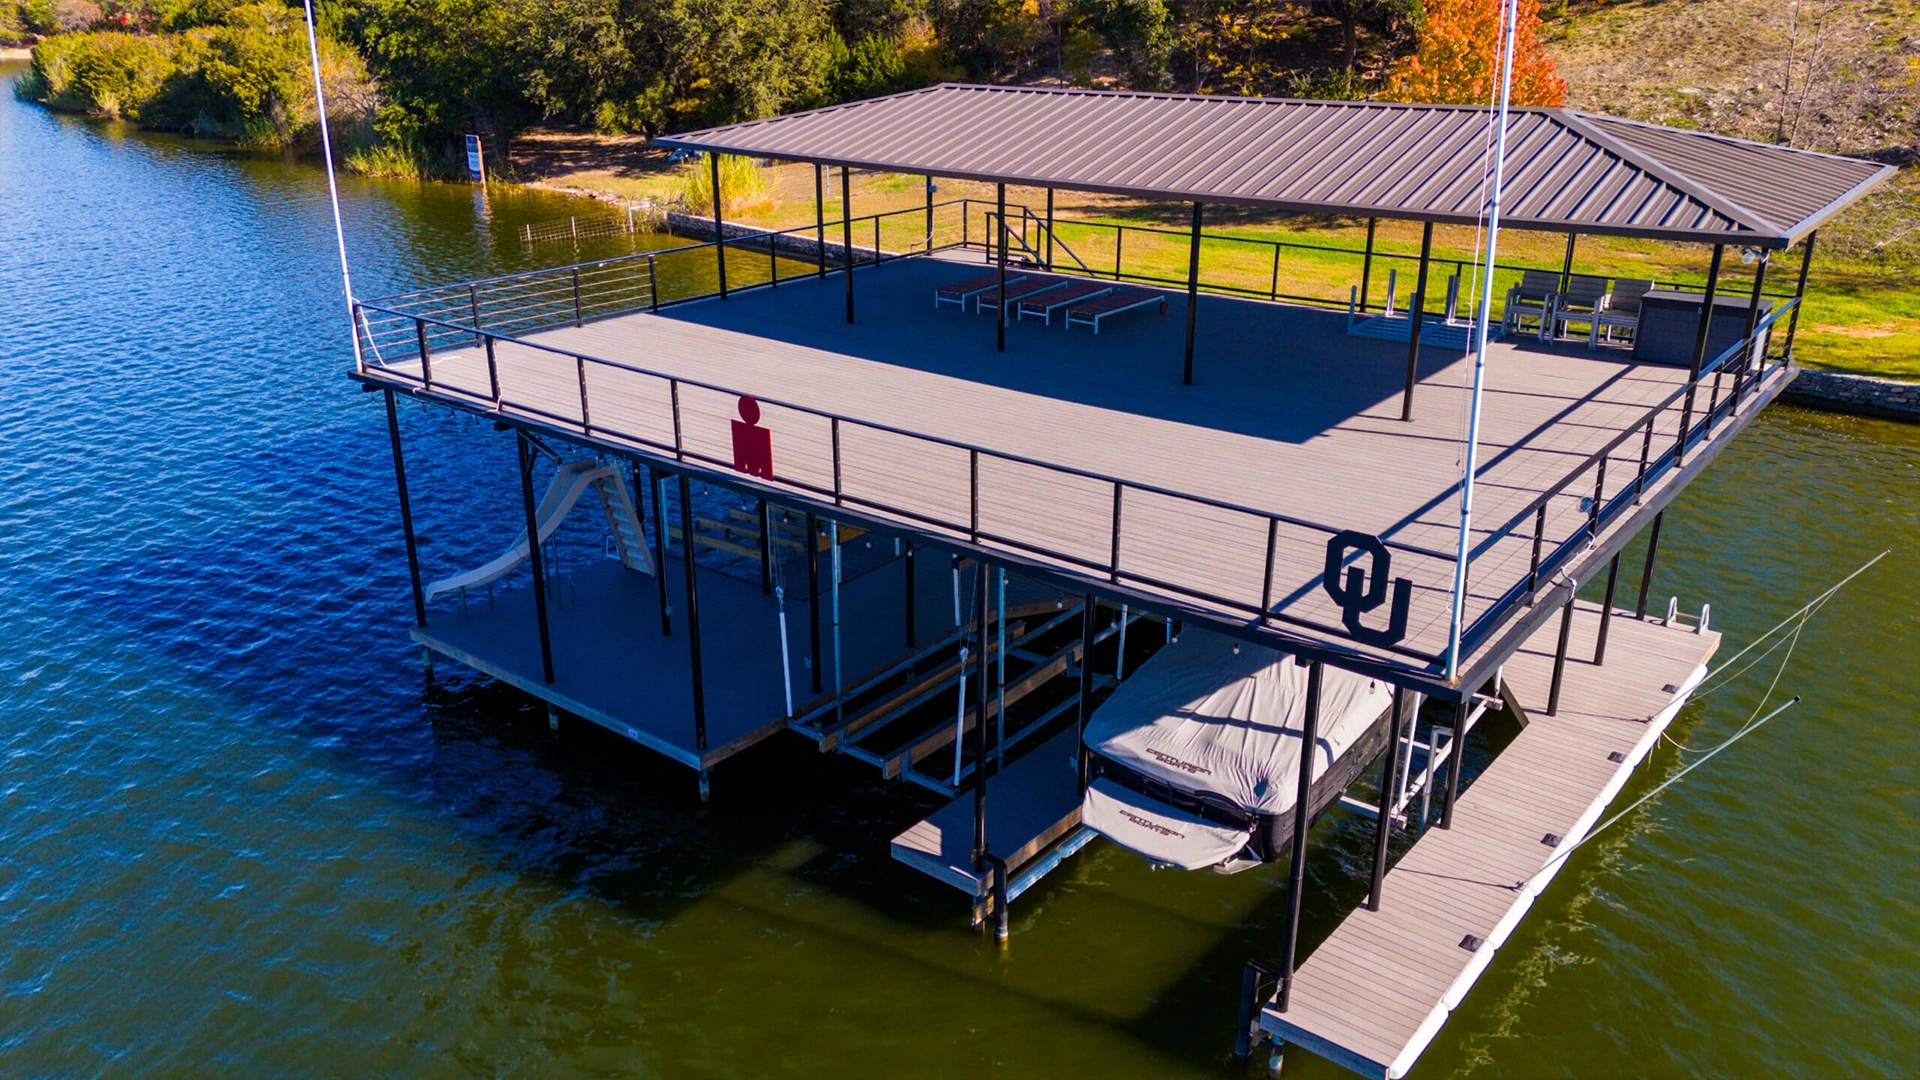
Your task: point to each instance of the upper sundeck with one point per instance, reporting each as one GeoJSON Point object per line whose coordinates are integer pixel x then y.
{"type": "Point", "coordinates": [1082, 456]}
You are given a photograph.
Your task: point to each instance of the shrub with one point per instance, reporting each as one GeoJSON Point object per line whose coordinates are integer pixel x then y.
{"type": "Point", "coordinates": [109, 74]}
{"type": "Point", "coordinates": [743, 187]}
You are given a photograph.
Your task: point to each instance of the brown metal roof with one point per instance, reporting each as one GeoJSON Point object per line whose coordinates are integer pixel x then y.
{"type": "Point", "coordinates": [1566, 171]}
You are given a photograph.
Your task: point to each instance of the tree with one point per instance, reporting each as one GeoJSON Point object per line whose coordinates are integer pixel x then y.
{"type": "Point", "coordinates": [1457, 61]}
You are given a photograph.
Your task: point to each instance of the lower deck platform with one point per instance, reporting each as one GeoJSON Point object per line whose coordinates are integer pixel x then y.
{"type": "Point", "coordinates": [1374, 993]}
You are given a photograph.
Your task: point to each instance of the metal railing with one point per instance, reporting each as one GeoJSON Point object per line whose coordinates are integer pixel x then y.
{"type": "Point", "coordinates": [403, 333]}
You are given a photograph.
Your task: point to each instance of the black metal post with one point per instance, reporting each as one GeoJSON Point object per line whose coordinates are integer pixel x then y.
{"type": "Point", "coordinates": [1646, 575]}
{"type": "Point", "coordinates": [1366, 264]}
{"type": "Point", "coordinates": [1799, 298]}
{"type": "Point", "coordinates": [1753, 320]}
{"type": "Point", "coordinates": [1193, 294]}
{"type": "Point", "coordinates": [1297, 862]}
{"type": "Point", "coordinates": [406, 514]}
{"type": "Point", "coordinates": [1560, 655]}
{"type": "Point", "coordinates": [693, 615]}
{"type": "Point", "coordinates": [846, 231]}
{"type": "Point", "coordinates": [1383, 829]}
{"type": "Point", "coordinates": [813, 598]}
{"type": "Point", "coordinates": [533, 554]}
{"type": "Point", "coordinates": [719, 234]}
{"type": "Point", "coordinates": [1699, 350]}
{"type": "Point", "coordinates": [929, 213]}
{"type": "Point", "coordinates": [1415, 312]}
{"type": "Point", "coordinates": [1086, 687]}
{"type": "Point", "coordinates": [1456, 760]}
{"type": "Point", "coordinates": [1049, 230]}
{"type": "Point", "coordinates": [660, 550]}
{"type": "Point", "coordinates": [1606, 611]}
{"type": "Point", "coordinates": [1566, 265]}
{"type": "Point", "coordinates": [912, 615]}
{"type": "Point", "coordinates": [766, 550]}
{"type": "Point", "coordinates": [820, 220]}
{"type": "Point", "coordinates": [1000, 259]}
{"type": "Point", "coordinates": [981, 696]}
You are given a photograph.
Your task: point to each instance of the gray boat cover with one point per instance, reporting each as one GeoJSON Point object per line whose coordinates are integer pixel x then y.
{"type": "Point", "coordinates": [1158, 831]}
{"type": "Point", "coordinates": [1201, 718]}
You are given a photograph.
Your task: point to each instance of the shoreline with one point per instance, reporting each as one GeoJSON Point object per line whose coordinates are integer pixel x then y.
{"type": "Point", "coordinates": [13, 52]}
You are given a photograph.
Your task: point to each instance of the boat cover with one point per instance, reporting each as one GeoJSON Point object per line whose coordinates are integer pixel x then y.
{"type": "Point", "coordinates": [1158, 831]}
{"type": "Point", "coordinates": [1201, 718]}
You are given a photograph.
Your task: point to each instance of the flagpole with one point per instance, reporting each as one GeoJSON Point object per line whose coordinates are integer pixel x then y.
{"type": "Point", "coordinates": [333, 190]}
{"type": "Point", "coordinates": [1480, 346]}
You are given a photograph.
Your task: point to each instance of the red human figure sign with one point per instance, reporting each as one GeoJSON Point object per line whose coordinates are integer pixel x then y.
{"type": "Point", "coordinates": [752, 444]}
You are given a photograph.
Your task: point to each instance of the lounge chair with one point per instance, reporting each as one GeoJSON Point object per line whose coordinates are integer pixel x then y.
{"type": "Point", "coordinates": [1622, 311]}
{"type": "Point", "coordinates": [1532, 299]}
{"type": "Point", "coordinates": [1091, 312]}
{"type": "Point", "coordinates": [1028, 285]}
{"type": "Point", "coordinates": [1584, 296]}
{"type": "Point", "coordinates": [1073, 292]}
{"type": "Point", "coordinates": [960, 292]}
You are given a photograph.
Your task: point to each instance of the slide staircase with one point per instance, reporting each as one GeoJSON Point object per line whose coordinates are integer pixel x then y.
{"type": "Point", "coordinates": [571, 482]}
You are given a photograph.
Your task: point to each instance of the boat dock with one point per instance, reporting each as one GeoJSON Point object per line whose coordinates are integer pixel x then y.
{"type": "Point", "coordinates": [1373, 994]}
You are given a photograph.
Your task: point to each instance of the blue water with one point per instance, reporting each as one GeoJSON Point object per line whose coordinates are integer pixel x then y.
{"type": "Point", "coordinates": [241, 835]}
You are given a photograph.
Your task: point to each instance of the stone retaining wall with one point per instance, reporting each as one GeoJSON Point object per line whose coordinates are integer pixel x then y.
{"type": "Point", "coordinates": [1864, 395]}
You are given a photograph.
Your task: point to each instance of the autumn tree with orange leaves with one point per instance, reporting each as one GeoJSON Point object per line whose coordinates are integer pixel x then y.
{"type": "Point", "coordinates": [1458, 60]}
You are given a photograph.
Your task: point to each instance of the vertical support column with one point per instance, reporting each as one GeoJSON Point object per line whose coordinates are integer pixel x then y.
{"type": "Point", "coordinates": [406, 514]}
{"type": "Point", "coordinates": [1566, 265]}
{"type": "Point", "coordinates": [1193, 294]}
{"type": "Point", "coordinates": [533, 554]}
{"type": "Point", "coordinates": [660, 550]}
{"type": "Point", "coordinates": [1753, 320]}
{"type": "Point", "coordinates": [929, 213]}
{"type": "Point", "coordinates": [913, 616]}
{"type": "Point", "coordinates": [1086, 688]}
{"type": "Point", "coordinates": [1000, 260]}
{"type": "Point", "coordinates": [980, 849]}
{"type": "Point", "coordinates": [1456, 760]}
{"type": "Point", "coordinates": [846, 231]}
{"type": "Point", "coordinates": [1606, 611]}
{"type": "Point", "coordinates": [820, 220]}
{"type": "Point", "coordinates": [719, 234]}
{"type": "Point", "coordinates": [1416, 312]}
{"type": "Point", "coordinates": [1049, 230]}
{"type": "Point", "coordinates": [693, 615]}
{"type": "Point", "coordinates": [1699, 351]}
{"type": "Point", "coordinates": [1383, 829]}
{"type": "Point", "coordinates": [1297, 861]}
{"type": "Point", "coordinates": [1799, 298]}
{"type": "Point", "coordinates": [766, 550]}
{"type": "Point", "coordinates": [1560, 654]}
{"type": "Point", "coordinates": [1646, 575]}
{"type": "Point", "coordinates": [1366, 265]}
{"type": "Point", "coordinates": [813, 599]}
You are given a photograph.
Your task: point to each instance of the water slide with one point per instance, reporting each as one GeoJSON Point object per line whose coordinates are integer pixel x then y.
{"type": "Point", "coordinates": [570, 484]}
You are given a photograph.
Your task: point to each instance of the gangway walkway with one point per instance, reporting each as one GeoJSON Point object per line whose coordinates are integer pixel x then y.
{"type": "Point", "coordinates": [1374, 993]}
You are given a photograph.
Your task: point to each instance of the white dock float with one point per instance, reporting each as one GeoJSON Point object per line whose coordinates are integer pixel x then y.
{"type": "Point", "coordinates": [1374, 993]}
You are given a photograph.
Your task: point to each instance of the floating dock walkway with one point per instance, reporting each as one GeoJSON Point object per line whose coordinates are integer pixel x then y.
{"type": "Point", "coordinates": [1374, 994]}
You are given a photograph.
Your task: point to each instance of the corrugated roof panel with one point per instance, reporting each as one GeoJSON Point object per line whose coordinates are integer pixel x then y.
{"type": "Point", "coordinates": [1565, 170]}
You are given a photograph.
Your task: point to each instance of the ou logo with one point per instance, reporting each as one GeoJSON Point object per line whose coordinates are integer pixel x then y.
{"type": "Point", "coordinates": [1364, 589]}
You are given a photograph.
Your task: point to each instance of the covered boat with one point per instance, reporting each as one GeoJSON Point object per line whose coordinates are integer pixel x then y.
{"type": "Point", "coordinates": [1196, 758]}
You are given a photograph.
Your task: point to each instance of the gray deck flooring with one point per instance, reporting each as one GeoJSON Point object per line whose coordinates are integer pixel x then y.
{"type": "Point", "coordinates": [1029, 806]}
{"type": "Point", "coordinates": [613, 666]}
{"type": "Point", "coordinates": [1288, 414]}
{"type": "Point", "coordinates": [1373, 994]}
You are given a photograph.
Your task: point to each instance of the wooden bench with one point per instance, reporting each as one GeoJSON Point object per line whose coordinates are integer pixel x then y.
{"type": "Point", "coordinates": [1118, 301]}
{"type": "Point", "coordinates": [1073, 292]}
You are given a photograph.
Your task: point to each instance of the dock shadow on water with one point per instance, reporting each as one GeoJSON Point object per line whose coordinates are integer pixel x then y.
{"type": "Point", "coordinates": [244, 836]}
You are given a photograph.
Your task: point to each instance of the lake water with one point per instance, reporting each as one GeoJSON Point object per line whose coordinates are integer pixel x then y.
{"type": "Point", "coordinates": [241, 836]}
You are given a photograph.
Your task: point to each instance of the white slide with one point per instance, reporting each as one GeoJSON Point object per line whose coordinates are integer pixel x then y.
{"type": "Point", "coordinates": [572, 482]}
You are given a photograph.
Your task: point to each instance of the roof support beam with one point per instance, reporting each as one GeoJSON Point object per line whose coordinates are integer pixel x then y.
{"type": "Point", "coordinates": [1799, 296]}
{"type": "Point", "coordinates": [820, 220]}
{"type": "Point", "coordinates": [1415, 313]}
{"type": "Point", "coordinates": [719, 233]}
{"type": "Point", "coordinates": [1700, 333]}
{"type": "Point", "coordinates": [1566, 265]}
{"type": "Point", "coordinates": [1193, 294]}
{"type": "Point", "coordinates": [846, 231]}
{"type": "Point", "coordinates": [1000, 259]}
{"type": "Point", "coordinates": [1366, 264]}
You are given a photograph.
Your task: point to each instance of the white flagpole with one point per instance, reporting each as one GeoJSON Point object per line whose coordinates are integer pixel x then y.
{"type": "Point", "coordinates": [333, 190]}
{"type": "Point", "coordinates": [1480, 347]}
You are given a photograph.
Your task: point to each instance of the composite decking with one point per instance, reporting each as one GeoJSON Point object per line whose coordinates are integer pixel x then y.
{"type": "Point", "coordinates": [1372, 995]}
{"type": "Point", "coordinates": [1288, 414]}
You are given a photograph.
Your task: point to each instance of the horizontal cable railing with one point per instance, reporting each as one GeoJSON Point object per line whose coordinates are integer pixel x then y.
{"type": "Point", "coordinates": [1642, 453]}
{"type": "Point", "coordinates": [974, 476]}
